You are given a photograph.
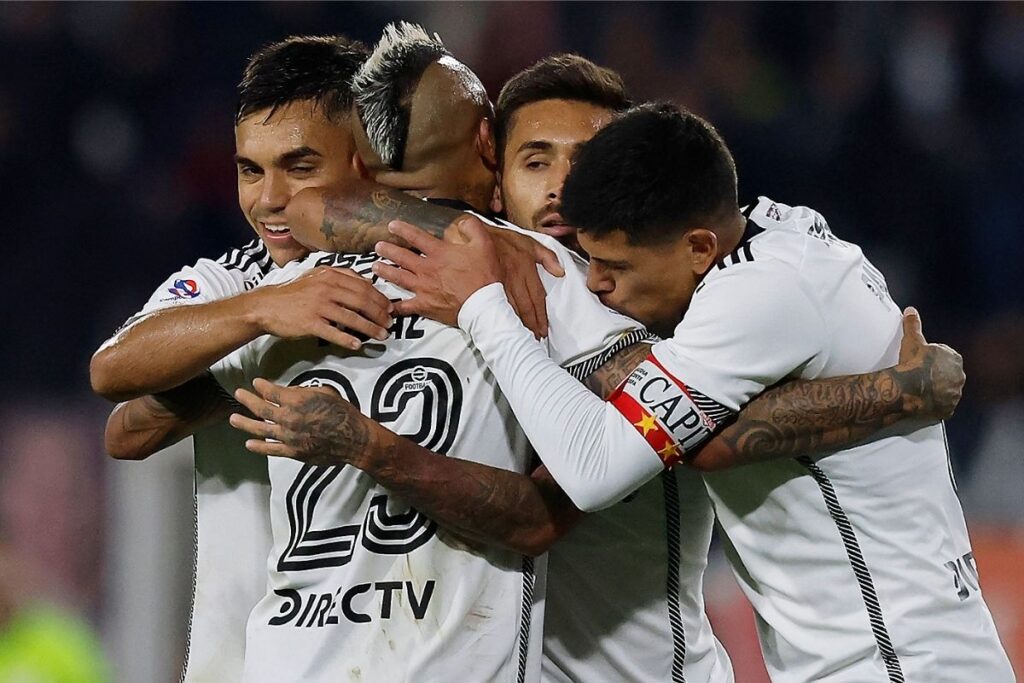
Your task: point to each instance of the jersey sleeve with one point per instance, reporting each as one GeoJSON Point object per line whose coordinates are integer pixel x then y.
{"type": "Point", "coordinates": [750, 327]}
{"type": "Point", "coordinates": [583, 333]}
{"type": "Point", "coordinates": [201, 283]}
{"type": "Point", "coordinates": [743, 331]}
{"type": "Point", "coordinates": [239, 368]}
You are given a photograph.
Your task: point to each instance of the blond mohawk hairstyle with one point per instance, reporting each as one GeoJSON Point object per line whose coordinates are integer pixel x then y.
{"type": "Point", "coordinates": [383, 86]}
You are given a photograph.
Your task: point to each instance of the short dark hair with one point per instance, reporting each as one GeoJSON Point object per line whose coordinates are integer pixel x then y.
{"type": "Point", "coordinates": [653, 173]}
{"type": "Point", "coordinates": [558, 77]}
{"type": "Point", "coordinates": [316, 68]}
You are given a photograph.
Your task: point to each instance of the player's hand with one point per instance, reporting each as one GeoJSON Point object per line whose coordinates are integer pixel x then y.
{"type": "Point", "coordinates": [936, 372]}
{"type": "Point", "coordinates": [520, 255]}
{"type": "Point", "coordinates": [314, 425]}
{"type": "Point", "coordinates": [446, 273]}
{"type": "Point", "coordinates": [333, 304]}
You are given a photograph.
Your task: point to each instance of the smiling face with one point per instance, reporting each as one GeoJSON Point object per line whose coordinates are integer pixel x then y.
{"type": "Point", "coordinates": [296, 148]}
{"type": "Point", "coordinates": [542, 141]}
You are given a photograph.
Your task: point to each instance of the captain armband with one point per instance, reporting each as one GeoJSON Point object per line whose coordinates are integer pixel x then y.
{"type": "Point", "coordinates": [672, 417]}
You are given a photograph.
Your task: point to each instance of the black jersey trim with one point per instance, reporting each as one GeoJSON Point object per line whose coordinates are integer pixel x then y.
{"type": "Point", "coordinates": [949, 457]}
{"type": "Point", "coordinates": [670, 488]}
{"type": "Point", "coordinates": [195, 569]}
{"type": "Point", "coordinates": [860, 570]}
{"type": "Point", "coordinates": [742, 253]}
{"type": "Point", "coordinates": [253, 253]}
{"type": "Point", "coordinates": [712, 408]}
{"type": "Point", "coordinates": [585, 368]}
{"type": "Point", "coordinates": [526, 616]}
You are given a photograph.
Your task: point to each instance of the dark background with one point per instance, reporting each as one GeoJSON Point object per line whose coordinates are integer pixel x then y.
{"type": "Point", "coordinates": [902, 123]}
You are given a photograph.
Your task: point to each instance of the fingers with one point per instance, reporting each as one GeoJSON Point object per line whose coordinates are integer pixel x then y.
{"type": "Point", "coordinates": [259, 428]}
{"type": "Point", "coordinates": [400, 256]}
{"type": "Point", "coordinates": [473, 229]}
{"type": "Point", "coordinates": [409, 307]}
{"type": "Point", "coordinates": [358, 294]}
{"type": "Point", "coordinates": [912, 324]}
{"type": "Point", "coordinates": [271, 448]}
{"type": "Point", "coordinates": [256, 405]}
{"type": "Point", "coordinates": [398, 276]}
{"type": "Point", "coordinates": [341, 315]}
{"type": "Point", "coordinates": [523, 303]}
{"type": "Point", "coordinates": [416, 237]}
{"type": "Point", "coordinates": [267, 390]}
{"type": "Point", "coordinates": [538, 299]}
{"type": "Point", "coordinates": [548, 259]}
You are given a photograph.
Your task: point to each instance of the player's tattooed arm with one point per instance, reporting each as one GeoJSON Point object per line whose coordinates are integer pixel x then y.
{"type": "Point", "coordinates": [353, 217]}
{"type": "Point", "coordinates": [475, 501]}
{"type": "Point", "coordinates": [138, 428]}
{"type": "Point", "coordinates": [810, 417]}
{"type": "Point", "coordinates": [610, 375]}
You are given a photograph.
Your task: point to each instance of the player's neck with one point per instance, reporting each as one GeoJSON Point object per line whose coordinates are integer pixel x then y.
{"type": "Point", "coordinates": [730, 232]}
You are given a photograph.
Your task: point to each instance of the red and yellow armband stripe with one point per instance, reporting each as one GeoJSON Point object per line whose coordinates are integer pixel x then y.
{"type": "Point", "coordinates": [663, 410]}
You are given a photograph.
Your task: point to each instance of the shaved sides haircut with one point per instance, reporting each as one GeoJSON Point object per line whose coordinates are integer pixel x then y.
{"type": "Point", "coordinates": [385, 83]}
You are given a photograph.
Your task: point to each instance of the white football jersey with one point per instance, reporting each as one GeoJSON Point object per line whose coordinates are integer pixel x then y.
{"type": "Point", "coordinates": [625, 591]}
{"type": "Point", "coordinates": [363, 587]}
{"type": "Point", "coordinates": [232, 493]}
{"type": "Point", "coordinates": [857, 563]}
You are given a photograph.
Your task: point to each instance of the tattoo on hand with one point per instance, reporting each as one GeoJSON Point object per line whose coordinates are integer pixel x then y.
{"type": "Point", "coordinates": [327, 430]}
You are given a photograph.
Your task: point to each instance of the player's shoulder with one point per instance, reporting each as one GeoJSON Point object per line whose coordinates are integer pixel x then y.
{"type": "Point", "coordinates": [787, 232]}
{"type": "Point", "coordinates": [251, 260]}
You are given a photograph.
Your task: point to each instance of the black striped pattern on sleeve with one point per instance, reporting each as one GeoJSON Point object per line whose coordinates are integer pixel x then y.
{"type": "Point", "coordinates": [254, 253]}
{"type": "Point", "coordinates": [585, 368]}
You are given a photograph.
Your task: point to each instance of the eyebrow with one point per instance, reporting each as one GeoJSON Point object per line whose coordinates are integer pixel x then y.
{"type": "Point", "coordinates": [540, 145]}
{"type": "Point", "coordinates": [297, 153]}
{"type": "Point", "coordinates": [609, 263]}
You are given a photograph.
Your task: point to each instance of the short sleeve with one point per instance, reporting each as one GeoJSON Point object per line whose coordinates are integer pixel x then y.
{"type": "Point", "coordinates": [747, 328]}
{"type": "Point", "coordinates": [240, 367]}
{"type": "Point", "coordinates": [201, 283]}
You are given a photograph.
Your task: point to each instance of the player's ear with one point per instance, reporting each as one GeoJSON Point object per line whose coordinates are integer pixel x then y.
{"type": "Point", "coordinates": [703, 245]}
{"type": "Point", "coordinates": [485, 146]}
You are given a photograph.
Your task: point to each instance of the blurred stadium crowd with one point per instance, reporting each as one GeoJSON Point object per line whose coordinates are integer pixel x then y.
{"type": "Point", "coordinates": [902, 123]}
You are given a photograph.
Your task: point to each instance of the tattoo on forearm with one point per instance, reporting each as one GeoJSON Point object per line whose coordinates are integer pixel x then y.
{"type": "Point", "coordinates": [606, 378]}
{"type": "Point", "coordinates": [355, 220]}
{"type": "Point", "coordinates": [808, 417]}
{"type": "Point", "coordinates": [479, 502]}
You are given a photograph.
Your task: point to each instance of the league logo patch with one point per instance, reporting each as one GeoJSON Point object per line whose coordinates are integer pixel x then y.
{"type": "Point", "coordinates": [662, 409]}
{"type": "Point", "coordinates": [184, 289]}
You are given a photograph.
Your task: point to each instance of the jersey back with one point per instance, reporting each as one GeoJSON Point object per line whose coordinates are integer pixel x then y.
{"type": "Point", "coordinates": [858, 563]}
{"type": "Point", "coordinates": [362, 585]}
{"type": "Point", "coordinates": [625, 591]}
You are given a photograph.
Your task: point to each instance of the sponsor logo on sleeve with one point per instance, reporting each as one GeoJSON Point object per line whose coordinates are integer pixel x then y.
{"type": "Point", "coordinates": [184, 289]}
{"type": "Point", "coordinates": [662, 409]}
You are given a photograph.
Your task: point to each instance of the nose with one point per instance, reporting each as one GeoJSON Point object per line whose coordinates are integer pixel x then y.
{"type": "Point", "coordinates": [599, 281]}
{"type": "Point", "coordinates": [556, 179]}
{"type": "Point", "coordinates": [274, 194]}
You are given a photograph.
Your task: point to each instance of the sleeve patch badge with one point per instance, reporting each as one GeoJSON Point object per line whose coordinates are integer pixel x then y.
{"type": "Point", "coordinates": [662, 409]}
